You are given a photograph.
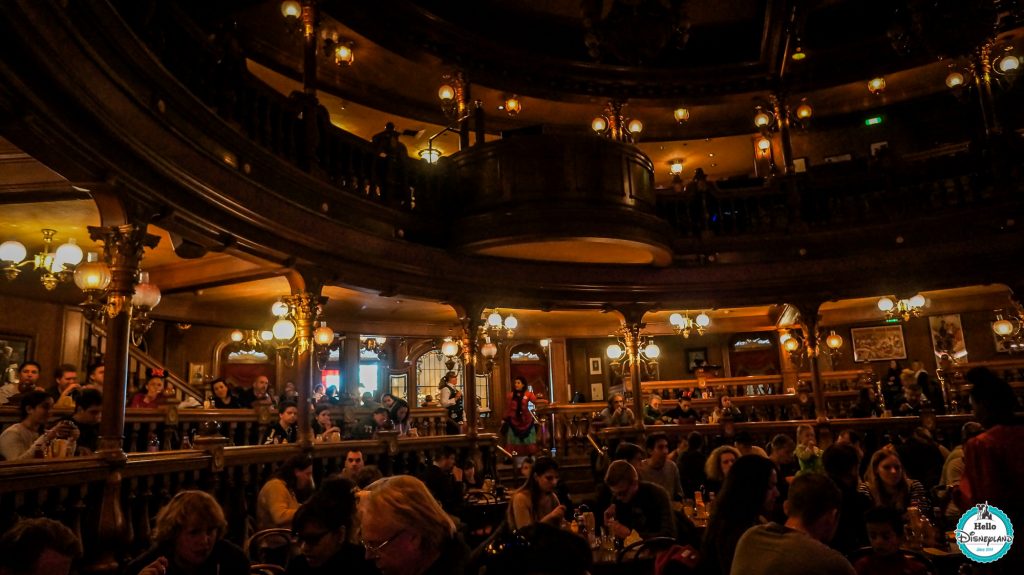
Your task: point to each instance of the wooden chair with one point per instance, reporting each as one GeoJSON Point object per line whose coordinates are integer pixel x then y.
{"type": "Point", "coordinates": [270, 548]}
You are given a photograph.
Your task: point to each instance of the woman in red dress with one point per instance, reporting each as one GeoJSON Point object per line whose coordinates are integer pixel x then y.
{"type": "Point", "coordinates": [519, 424]}
{"type": "Point", "coordinates": [153, 394]}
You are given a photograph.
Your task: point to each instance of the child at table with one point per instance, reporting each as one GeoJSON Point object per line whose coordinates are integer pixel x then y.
{"type": "Point", "coordinates": [885, 532]}
{"type": "Point", "coordinates": [807, 452]}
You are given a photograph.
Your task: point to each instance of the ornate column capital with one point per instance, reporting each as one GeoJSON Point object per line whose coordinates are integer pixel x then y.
{"type": "Point", "coordinates": [123, 249]}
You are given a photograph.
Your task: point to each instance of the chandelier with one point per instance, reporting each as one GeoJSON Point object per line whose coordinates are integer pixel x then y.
{"type": "Point", "coordinates": [54, 266]}
{"type": "Point", "coordinates": [798, 348]}
{"type": "Point", "coordinates": [902, 309]}
{"type": "Point", "coordinates": [621, 356]}
{"type": "Point", "coordinates": [615, 126]}
{"type": "Point", "coordinates": [1009, 328]}
{"type": "Point", "coordinates": [284, 338]}
{"type": "Point", "coordinates": [248, 341]}
{"type": "Point", "coordinates": [374, 344]}
{"type": "Point", "coordinates": [683, 325]}
{"type": "Point", "coordinates": [93, 277]}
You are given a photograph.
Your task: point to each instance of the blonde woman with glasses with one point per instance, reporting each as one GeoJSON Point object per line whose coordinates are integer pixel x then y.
{"type": "Point", "coordinates": [405, 531]}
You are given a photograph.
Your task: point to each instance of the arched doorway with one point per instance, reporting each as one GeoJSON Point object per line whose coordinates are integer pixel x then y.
{"type": "Point", "coordinates": [529, 361]}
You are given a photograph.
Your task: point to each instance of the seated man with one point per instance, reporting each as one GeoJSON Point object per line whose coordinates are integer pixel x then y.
{"type": "Point", "coordinates": [658, 469]}
{"type": "Point", "coordinates": [639, 509]}
{"type": "Point", "coordinates": [353, 465]}
{"type": "Point", "coordinates": [885, 531]}
{"type": "Point", "coordinates": [322, 526]}
{"type": "Point", "coordinates": [65, 387]}
{"type": "Point", "coordinates": [259, 394]}
{"type": "Point", "coordinates": [88, 412]}
{"type": "Point", "coordinates": [683, 412]}
{"type": "Point", "coordinates": [286, 429]}
{"type": "Point", "coordinates": [616, 414]}
{"type": "Point", "coordinates": [38, 546]}
{"type": "Point", "coordinates": [799, 546]}
{"type": "Point", "coordinates": [443, 485]}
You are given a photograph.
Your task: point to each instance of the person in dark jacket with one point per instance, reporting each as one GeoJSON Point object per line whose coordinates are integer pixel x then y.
{"type": "Point", "coordinates": [322, 526]}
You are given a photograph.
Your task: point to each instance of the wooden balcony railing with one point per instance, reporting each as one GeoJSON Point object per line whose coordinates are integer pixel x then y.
{"type": "Point", "coordinates": [171, 425]}
{"type": "Point", "coordinates": [110, 505]}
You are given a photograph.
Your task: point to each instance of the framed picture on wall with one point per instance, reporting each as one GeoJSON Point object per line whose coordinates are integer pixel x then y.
{"type": "Point", "coordinates": [595, 365]}
{"type": "Point", "coordinates": [596, 392]}
{"type": "Point", "coordinates": [878, 343]}
{"type": "Point", "coordinates": [948, 336]}
{"type": "Point", "coordinates": [692, 355]}
{"type": "Point", "coordinates": [14, 349]}
{"type": "Point", "coordinates": [196, 373]}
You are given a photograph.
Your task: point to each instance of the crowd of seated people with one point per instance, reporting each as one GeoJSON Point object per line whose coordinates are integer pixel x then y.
{"type": "Point", "coordinates": [782, 506]}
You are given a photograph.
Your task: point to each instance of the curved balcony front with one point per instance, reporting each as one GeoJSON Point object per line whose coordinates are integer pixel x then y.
{"type": "Point", "coordinates": [562, 198]}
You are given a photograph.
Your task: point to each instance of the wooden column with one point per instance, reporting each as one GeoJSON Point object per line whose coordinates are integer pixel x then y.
{"type": "Point", "coordinates": [471, 317]}
{"type": "Point", "coordinates": [809, 324]}
{"type": "Point", "coordinates": [350, 366]}
{"type": "Point", "coordinates": [782, 117]}
{"type": "Point", "coordinates": [303, 306]}
{"type": "Point", "coordinates": [123, 247]}
{"type": "Point", "coordinates": [632, 324]}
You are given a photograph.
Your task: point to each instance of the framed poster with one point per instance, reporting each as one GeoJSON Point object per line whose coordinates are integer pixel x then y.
{"type": "Point", "coordinates": [692, 355]}
{"type": "Point", "coordinates": [878, 343]}
{"type": "Point", "coordinates": [595, 365]}
{"type": "Point", "coordinates": [596, 392]}
{"type": "Point", "coordinates": [196, 373]}
{"type": "Point", "coordinates": [948, 336]}
{"type": "Point", "coordinates": [14, 349]}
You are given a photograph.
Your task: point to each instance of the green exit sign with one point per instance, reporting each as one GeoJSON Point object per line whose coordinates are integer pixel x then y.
{"type": "Point", "coordinates": [873, 121]}
{"type": "Point", "coordinates": [893, 320]}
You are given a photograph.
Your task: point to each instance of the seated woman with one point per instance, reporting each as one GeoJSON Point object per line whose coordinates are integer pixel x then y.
{"type": "Point", "coordinates": [26, 438]}
{"type": "Point", "coordinates": [222, 396]}
{"type": "Point", "coordinates": [726, 409]}
{"type": "Point", "coordinates": [324, 429]}
{"type": "Point", "coordinates": [868, 404]}
{"type": "Point", "coordinates": [887, 485]}
{"type": "Point", "coordinates": [322, 526]}
{"type": "Point", "coordinates": [747, 497]}
{"type": "Point", "coordinates": [279, 498]}
{"type": "Point", "coordinates": [398, 410]}
{"type": "Point", "coordinates": [152, 394]}
{"type": "Point", "coordinates": [189, 540]}
{"type": "Point", "coordinates": [535, 501]}
{"type": "Point", "coordinates": [717, 467]}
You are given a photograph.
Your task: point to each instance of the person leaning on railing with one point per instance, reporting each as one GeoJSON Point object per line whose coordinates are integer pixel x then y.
{"type": "Point", "coordinates": [26, 438]}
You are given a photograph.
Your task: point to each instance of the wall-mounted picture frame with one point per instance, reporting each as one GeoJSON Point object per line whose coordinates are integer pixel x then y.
{"type": "Point", "coordinates": [799, 165]}
{"type": "Point", "coordinates": [948, 336]}
{"type": "Point", "coordinates": [14, 349]}
{"type": "Point", "coordinates": [596, 392]}
{"type": "Point", "coordinates": [881, 343]}
{"type": "Point", "coordinates": [196, 374]}
{"type": "Point", "coordinates": [692, 355]}
{"type": "Point", "coordinates": [877, 147]}
{"type": "Point", "coordinates": [595, 365]}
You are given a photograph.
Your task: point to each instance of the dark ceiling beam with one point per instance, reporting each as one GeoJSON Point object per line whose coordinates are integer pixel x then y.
{"type": "Point", "coordinates": [41, 194]}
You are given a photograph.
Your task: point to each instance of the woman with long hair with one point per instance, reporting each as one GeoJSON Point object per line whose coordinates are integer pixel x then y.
{"type": "Point", "coordinates": [717, 466]}
{"type": "Point", "coordinates": [747, 497]}
{"type": "Point", "coordinates": [280, 496]}
{"type": "Point", "coordinates": [189, 540]}
{"type": "Point", "coordinates": [535, 501]}
{"type": "Point", "coordinates": [887, 485]}
{"type": "Point", "coordinates": [518, 424]}
{"type": "Point", "coordinates": [398, 409]}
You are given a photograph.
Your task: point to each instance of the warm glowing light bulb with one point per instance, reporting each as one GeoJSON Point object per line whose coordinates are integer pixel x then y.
{"type": "Point", "coordinates": [489, 350]}
{"type": "Point", "coordinates": [599, 124]}
{"type": "Point", "coordinates": [545, 342]}
{"type": "Point", "coordinates": [886, 304]}
{"type": "Point", "coordinates": [494, 319]}
{"type": "Point", "coordinates": [763, 144]}
{"type": "Point", "coordinates": [703, 319]}
{"type": "Point", "coordinates": [1009, 63]}
{"type": "Point", "coordinates": [237, 335]}
{"type": "Point", "coordinates": [681, 114]}
{"type": "Point", "coordinates": [614, 351]}
{"type": "Point", "coordinates": [283, 329]}
{"type": "Point", "coordinates": [676, 167]}
{"type": "Point", "coordinates": [676, 319]}
{"type": "Point", "coordinates": [431, 155]}
{"type": "Point", "coordinates": [67, 255]}
{"type": "Point", "coordinates": [798, 54]}
{"type": "Point", "coordinates": [446, 93]}
{"type": "Point", "coordinates": [834, 340]}
{"type": "Point", "coordinates": [12, 251]}
{"type": "Point", "coordinates": [792, 344]}
{"type": "Point", "coordinates": [762, 119]}
{"type": "Point", "coordinates": [635, 126]}
{"type": "Point", "coordinates": [266, 335]}
{"type": "Point", "coordinates": [876, 85]}
{"type": "Point", "coordinates": [511, 322]}
{"type": "Point", "coordinates": [279, 309]}
{"type": "Point", "coordinates": [804, 111]}
{"type": "Point", "coordinates": [1002, 327]}
{"type": "Point", "coordinates": [323, 335]}
{"type": "Point", "coordinates": [954, 80]}
{"type": "Point", "coordinates": [291, 9]}
{"type": "Point", "coordinates": [450, 348]}
{"type": "Point", "coordinates": [344, 54]}
{"type": "Point", "coordinates": [513, 106]}
{"type": "Point", "coordinates": [652, 351]}
{"type": "Point", "coordinates": [917, 301]}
